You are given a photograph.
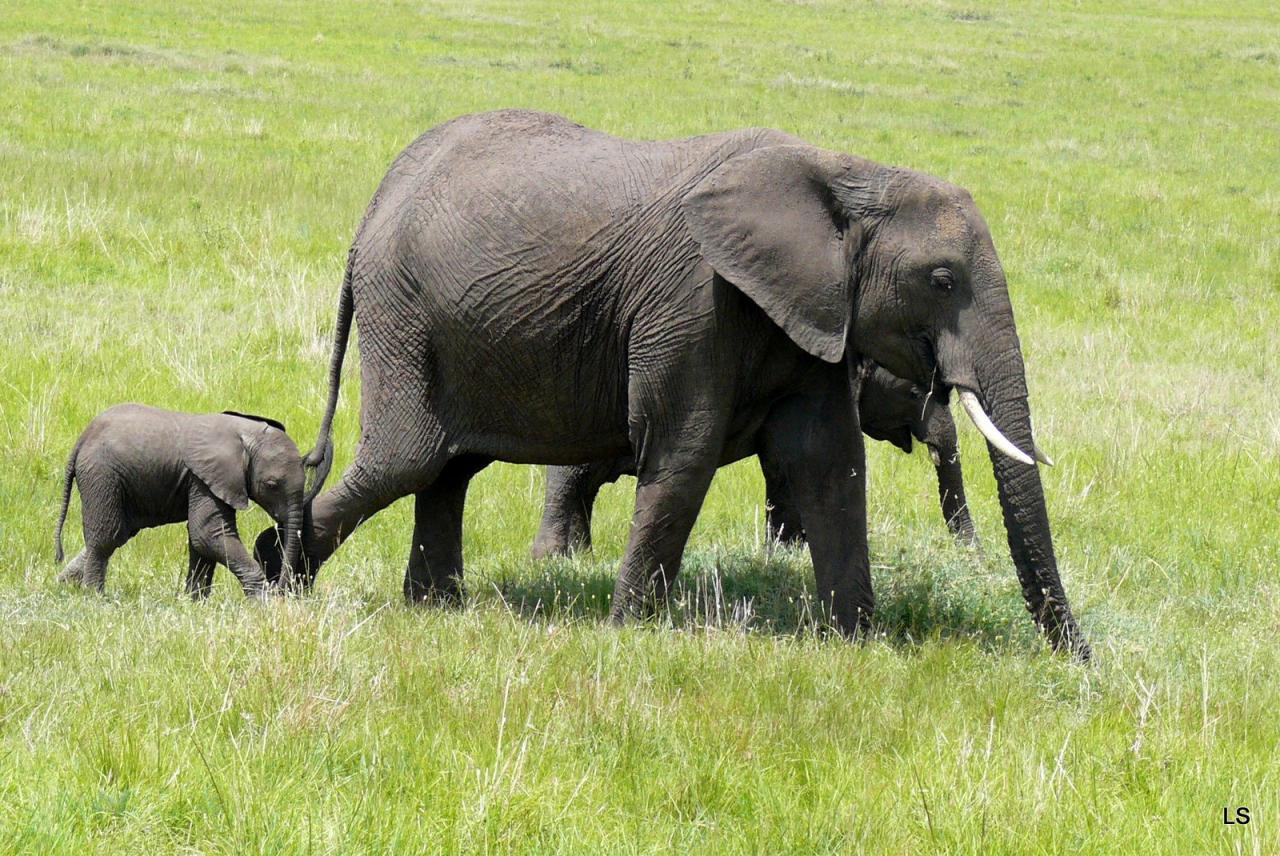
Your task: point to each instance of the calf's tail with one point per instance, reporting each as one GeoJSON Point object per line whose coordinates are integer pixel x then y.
{"type": "Point", "coordinates": [67, 479]}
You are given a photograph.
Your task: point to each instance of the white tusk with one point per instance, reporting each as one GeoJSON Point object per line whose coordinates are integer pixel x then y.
{"type": "Point", "coordinates": [1040, 455]}
{"type": "Point", "coordinates": [984, 424]}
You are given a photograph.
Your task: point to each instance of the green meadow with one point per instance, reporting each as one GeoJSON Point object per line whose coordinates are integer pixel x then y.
{"type": "Point", "coordinates": [179, 183]}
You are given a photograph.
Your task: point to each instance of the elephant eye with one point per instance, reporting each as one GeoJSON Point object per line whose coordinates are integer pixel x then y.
{"type": "Point", "coordinates": [943, 279]}
{"type": "Point", "coordinates": [917, 392]}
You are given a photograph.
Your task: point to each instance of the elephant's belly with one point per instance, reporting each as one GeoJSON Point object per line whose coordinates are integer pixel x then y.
{"type": "Point", "coordinates": [524, 450]}
{"type": "Point", "coordinates": [558, 405]}
{"type": "Point", "coordinates": [157, 502]}
{"type": "Point", "coordinates": [538, 374]}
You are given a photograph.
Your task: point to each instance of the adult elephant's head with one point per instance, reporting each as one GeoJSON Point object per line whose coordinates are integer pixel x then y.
{"type": "Point", "coordinates": [853, 259]}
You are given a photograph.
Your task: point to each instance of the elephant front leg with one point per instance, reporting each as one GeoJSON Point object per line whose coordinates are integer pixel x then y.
{"type": "Point", "coordinates": [212, 535]}
{"type": "Point", "coordinates": [815, 444]}
{"type": "Point", "coordinates": [782, 518]}
{"type": "Point", "coordinates": [227, 549]}
{"type": "Point", "coordinates": [199, 574]}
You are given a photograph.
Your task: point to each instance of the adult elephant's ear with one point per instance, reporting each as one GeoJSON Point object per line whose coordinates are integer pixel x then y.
{"type": "Point", "coordinates": [214, 451]}
{"type": "Point", "coordinates": [768, 221]}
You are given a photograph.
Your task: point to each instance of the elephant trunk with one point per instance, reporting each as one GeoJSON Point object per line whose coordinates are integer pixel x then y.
{"type": "Point", "coordinates": [291, 539]}
{"type": "Point", "coordinates": [1026, 518]}
{"type": "Point", "coordinates": [955, 508]}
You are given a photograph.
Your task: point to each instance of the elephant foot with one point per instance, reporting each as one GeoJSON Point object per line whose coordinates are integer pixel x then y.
{"type": "Point", "coordinates": [71, 576]}
{"type": "Point", "coordinates": [447, 596]}
{"type": "Point", "coordinates": [1068, 639]}
{"type": "Point", "coordinates": [549, 548]}
{"type": "Point", "coordinates": [855, 628]}
{"type": "Point", "coordinates": [786, 537]}
{"type": "Point", "coordinates": [619, 618]}
{"type": "Point", "coordinates": [559, 544]}
{"type": "Point", "coordinates": [258, 594]}
{"type": "Point", "coordinates": [73, 573]}
{"type": "Point", "coordinates": [1060, 629]}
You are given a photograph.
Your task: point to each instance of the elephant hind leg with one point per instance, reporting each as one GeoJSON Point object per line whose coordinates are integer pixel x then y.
{"type": "Point", "coordinates": [434, 571]}
{"type": "Point", "coordinates": [74, 570]}
{"type": "Point", "coordinates": [89, 568]}
{"type": "Point", "coordinates": [105, 526]}
{"type": "Point", "coordinates": [403, 451]}
{"type": "Point", "coordinates": [669, 495]}
{"type": "Point", "coordinates": [782, 518]}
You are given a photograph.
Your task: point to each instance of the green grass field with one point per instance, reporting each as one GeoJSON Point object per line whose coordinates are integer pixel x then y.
{"type": "Point", "coordinates": [178, 188]}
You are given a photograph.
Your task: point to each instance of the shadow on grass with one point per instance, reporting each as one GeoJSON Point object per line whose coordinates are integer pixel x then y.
{"type": "Point", "coordinates": [921, 594]}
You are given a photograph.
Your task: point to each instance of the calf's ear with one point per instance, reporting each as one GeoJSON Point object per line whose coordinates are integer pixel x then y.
{"type": "Point", "coordinates": [214, 450]}
{"type": "Point", "coordinates": [269, 421]}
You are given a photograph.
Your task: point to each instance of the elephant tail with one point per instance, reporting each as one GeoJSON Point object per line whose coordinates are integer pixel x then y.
{"type": "Point", "coordinates": [320, 458]}
{"type": "Point", "coordinates": [67, 480]}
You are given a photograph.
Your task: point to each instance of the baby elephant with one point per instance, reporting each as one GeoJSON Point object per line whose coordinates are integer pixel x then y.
{"type": "Point", "coordinates": [139, 467]}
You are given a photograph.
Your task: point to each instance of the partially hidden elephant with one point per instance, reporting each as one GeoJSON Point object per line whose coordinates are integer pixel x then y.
{"type": "Point", "coordinates": [889, 409]}
{"type": "Point", "coordinates": [529, 290]}
{"type": "Point", "coordinates": [140, 466]}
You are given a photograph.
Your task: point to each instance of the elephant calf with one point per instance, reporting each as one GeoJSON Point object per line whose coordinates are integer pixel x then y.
{"type": "Point", "coordinates": [891, 409]}
{"type": "Point", "coordinates": [138, 467]}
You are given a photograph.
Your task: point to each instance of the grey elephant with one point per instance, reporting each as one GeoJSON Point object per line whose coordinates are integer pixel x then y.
{"type": "Point", "coordinates": [138, 467]}
{"type": "Point", "coordinates": [533, 291]}
{"type": "Point", "coordinates": [890, 409]}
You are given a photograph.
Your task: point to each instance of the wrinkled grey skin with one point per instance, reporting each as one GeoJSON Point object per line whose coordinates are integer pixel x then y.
{"type": "Point", "coordinates": [891, 409]}
{"type": "Point", "coordinates": [529, 290]}
{"type": "Point", "coordinates": [138, 467]}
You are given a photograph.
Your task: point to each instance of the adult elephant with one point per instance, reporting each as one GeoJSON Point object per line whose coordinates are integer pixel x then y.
{"type": "Point", "coordinates": [889, 409]}
{"type": "Point", "coordinates": [530, 290]}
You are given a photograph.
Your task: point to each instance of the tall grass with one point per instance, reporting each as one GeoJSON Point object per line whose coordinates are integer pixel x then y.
{"type": "Point", "coordinates": [178, 186]}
